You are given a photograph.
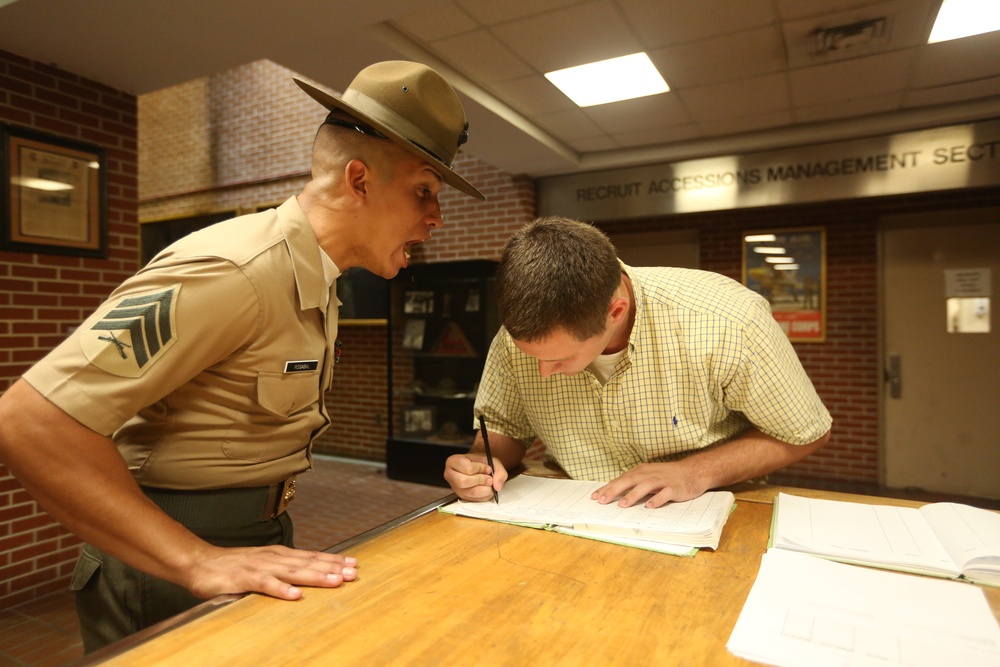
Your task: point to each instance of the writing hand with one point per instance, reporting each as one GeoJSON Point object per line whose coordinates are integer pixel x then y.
{"type": "Point", "coordinates": [666, 482]}
{"type": "Point", "coordinates": [470, 476]}
{"type": "Point", "coordinates": [277, 571]}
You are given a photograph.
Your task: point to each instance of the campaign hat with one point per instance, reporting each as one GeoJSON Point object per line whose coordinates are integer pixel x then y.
{"type": "Point", "coordinates": [410, 104]}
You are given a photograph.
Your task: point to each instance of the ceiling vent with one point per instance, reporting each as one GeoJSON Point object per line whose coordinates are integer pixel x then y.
{"type": "Point", "coordinates": [835, 41]}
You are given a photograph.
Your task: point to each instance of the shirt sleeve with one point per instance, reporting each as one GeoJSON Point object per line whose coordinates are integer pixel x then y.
{"type": "Point", "coordinates": [771, 387]}
{"type": "Point", "coordinates": [157, 331]}
{"type": "Point", "coordinates": [499, 398]}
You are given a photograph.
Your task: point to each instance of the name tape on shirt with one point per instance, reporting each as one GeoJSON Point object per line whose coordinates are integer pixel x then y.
{"type": "Point", "coordinates": [302, 366]}
{"type": "Point", "coordinates": [131, 334]}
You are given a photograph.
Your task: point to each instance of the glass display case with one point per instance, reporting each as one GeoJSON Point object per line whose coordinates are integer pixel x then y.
{"type": "Point", "coordinates": [442, 319]}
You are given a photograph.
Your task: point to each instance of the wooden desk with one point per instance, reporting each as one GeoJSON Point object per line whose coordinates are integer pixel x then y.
{"type": "Point", "coordinates": [447, 590]}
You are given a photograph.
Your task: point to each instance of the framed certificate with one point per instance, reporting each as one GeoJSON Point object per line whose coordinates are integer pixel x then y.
{"type": "Point", "coordinates": [54, 195]}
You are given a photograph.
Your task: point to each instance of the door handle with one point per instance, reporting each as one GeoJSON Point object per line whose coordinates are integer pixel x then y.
{"type": "Point", "coordinates": [894, 376]}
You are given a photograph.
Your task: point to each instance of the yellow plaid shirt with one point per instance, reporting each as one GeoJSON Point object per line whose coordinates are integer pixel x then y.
{"type": "Point", "coordinates": [705, 360]}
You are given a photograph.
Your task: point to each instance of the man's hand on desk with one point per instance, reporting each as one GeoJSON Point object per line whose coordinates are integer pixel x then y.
{"type": "Point", "coordinates": [274, 570]}
{"type": "Point", "coordinates": [666, 482]}
{"type": "Point", "coordinates": [469, 476]}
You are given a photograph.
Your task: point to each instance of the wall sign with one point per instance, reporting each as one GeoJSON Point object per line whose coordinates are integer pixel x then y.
{"type": "Point", "coordinates": [959, 156]}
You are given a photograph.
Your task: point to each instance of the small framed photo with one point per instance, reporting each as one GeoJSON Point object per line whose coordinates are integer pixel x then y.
{"type": "Point", "coordinates": [54, 198]}
{"type": "Point", "coordinates": [418, 302]}
{"type": "Point", "coordinates": [418, 420]}
{"type": "Point", "coordinates": [413, 334]}
{"type": "Point", "coordinates": [472, 301]}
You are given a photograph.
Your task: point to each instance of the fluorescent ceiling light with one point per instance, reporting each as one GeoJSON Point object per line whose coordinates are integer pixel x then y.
{"type": "Point", "coordinates": [611, 80]}
{"type": "Point", "coordinates": [40, 183]}
{"type": "Point", "coordinates": [769, 250]}
{"type": "Point", "coordinates": [760, 238]}
{"type": "Point", "coordinates": [779, 260]}
{"type": "Point", "coordinates": [786, 267]}
{"type": "Point", "coordinates": [964, 18]}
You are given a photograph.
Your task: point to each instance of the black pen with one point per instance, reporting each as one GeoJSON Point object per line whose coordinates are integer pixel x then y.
{"type": "Point", "coordinates": [489, 454]}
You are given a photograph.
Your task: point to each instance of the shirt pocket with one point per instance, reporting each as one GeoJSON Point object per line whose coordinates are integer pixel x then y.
{"type": "Point", "coordinates": [284, 394]}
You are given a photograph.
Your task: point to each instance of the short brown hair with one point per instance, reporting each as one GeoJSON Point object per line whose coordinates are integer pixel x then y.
{"type": "Point", "coordinates": [557, 273]}
{"type": "Point", "coordinates": [335, 146]}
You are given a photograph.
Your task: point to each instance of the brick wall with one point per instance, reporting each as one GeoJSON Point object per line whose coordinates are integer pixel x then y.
{"type": "Point", "coordinates": [43, 296]}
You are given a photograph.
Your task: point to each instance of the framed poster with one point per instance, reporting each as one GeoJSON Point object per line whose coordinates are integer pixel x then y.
{"type": "Point", "coordinates": [54, 195]}
{"type": "Point", "coordinates": [788, 267]}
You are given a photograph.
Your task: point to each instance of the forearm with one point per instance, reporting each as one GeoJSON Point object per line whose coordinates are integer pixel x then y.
{"type": "Point", "coordinates": [752, 454]}
{"type": "Point", "coordinates": [507, 450]}
{"type": "Point", "coordinates": [79, 478]}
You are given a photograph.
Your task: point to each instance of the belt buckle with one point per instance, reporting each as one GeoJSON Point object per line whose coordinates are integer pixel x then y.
{"type": "Point", "coordinates": [285, 495]}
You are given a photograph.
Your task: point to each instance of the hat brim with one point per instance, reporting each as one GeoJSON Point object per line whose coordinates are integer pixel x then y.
{"type": "Point", "coordinates": [449, 175]}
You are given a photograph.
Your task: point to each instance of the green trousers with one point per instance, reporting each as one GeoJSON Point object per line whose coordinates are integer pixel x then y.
{"type": "Point", "coordinates": [114, 600]}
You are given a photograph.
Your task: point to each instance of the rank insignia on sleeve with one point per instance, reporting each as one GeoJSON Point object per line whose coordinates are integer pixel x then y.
{"type": "Point", "coordinates": [132, 334]}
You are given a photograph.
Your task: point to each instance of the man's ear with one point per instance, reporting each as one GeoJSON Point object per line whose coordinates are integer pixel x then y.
{"type": "Point", "coordinates": [618, 310]}
{"type": "Point", "coordinates": [357, 176]}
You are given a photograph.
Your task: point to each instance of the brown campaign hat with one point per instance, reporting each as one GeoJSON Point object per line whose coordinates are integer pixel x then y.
{"type": "Point", "coordinates": [410, 104]}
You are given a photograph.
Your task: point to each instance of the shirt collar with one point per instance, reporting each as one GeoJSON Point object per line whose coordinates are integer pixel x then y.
{"type": "Point", "coordinates": [638, 303]}
{"type": "Point", "coordinates": [311, 281]}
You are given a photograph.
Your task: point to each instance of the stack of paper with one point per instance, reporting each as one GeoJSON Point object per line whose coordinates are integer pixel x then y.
{"type": "Point", "coordinates": [566, 506]}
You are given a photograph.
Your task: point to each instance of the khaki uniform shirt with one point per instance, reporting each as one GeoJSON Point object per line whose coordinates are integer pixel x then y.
{"type": "Point", "coordinates": [208, 367]}
{"type": "Point", "coordinates": [704, 361]}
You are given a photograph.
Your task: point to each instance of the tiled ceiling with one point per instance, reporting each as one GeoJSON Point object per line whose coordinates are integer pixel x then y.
{"type": "Point", "coordinates": [744, 74]}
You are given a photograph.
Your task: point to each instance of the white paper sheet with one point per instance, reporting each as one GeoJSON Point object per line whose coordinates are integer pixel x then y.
{"type": "Point", "coordinates": [810, 612]}
{"type": "Point", "coordinates": [564, 502]}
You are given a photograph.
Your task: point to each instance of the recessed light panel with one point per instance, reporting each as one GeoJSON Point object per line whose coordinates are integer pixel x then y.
{"type": "Point", "coordinates": [964, 18]}
{"type": "Point", "coordinates": [611, 80]}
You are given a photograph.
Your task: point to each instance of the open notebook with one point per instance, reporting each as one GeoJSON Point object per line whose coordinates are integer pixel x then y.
{"type": "Point", "coordinates": [565, 506]}
{"type": "Point", "coordinates": [940, 539]}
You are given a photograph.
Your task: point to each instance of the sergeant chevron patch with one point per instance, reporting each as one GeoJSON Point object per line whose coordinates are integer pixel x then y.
{"type": "Point", "coordinates": [133, 333]}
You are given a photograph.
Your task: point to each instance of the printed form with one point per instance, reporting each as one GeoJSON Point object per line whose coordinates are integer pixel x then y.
{"type": "Point", "coordinates": [805, 610]}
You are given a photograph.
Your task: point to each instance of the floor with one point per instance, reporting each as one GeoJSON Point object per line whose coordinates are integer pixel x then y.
{"type": "Point", "coordinates": [336, 500]}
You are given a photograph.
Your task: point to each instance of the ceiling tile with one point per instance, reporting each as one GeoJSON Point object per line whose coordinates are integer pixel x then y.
{"type": "Point", "coordinates": [749, 123]}
{"type": "Point", "coordinates": [664, 110]}
{"type": "Point", "coordinates": [440, 20]}
{"type": "Point", "coordinates": [587, 32]}
{"type": "Point", "coordinates": [737, 56]}
{"type": "Point", "coordinates": [569, 125]}
{"type": "Point", "coordinates": [851, 79]}
{"type": "Point", "coordinates": [491, 12]}
{"type": "Point", "coordinates": [737, 98]}
{"type": "Point", "coordinates": [659, 23]}
{"type": "Point", "coordinates": [849, 108]}
{"type": "Point", "coordinates": [482, 56]}
{"type": "Point", "coordinates": [975, 57]}
{"type": "Point", "coordinates": [533, 95]}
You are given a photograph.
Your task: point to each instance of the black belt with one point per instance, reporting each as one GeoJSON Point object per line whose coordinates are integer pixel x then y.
{"type": "Point", "coordinates": [224, 508]}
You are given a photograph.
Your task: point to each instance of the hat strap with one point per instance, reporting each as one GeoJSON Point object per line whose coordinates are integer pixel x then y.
{"type": "Point", "coordinates": [398, 124]}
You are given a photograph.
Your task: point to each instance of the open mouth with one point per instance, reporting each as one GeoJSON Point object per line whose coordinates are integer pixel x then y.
{"type": "Point", "coordinates": [408, 248]}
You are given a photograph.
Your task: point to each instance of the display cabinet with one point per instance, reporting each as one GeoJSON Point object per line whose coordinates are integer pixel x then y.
{"type": "Point", "coordinates": [442, 319]}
